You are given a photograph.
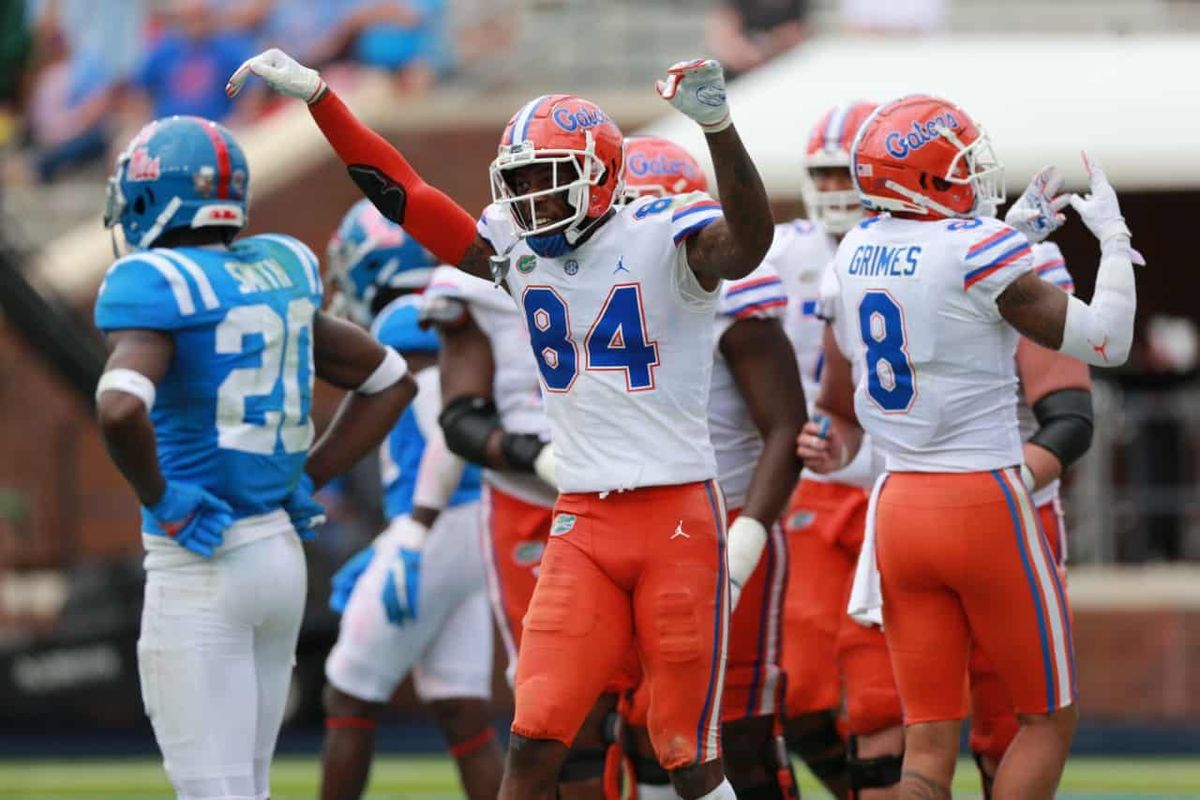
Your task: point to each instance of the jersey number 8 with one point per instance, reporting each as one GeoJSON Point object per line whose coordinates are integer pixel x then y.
{"type": "Point", "coordinates": [891, 382]}
{"type": "Point", "coordinates": [616, 340]}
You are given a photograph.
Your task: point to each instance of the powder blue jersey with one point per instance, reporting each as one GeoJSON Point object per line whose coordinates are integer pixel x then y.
{"type": "Point", "coordinates": [233, 412]}
{"type": "Point", "coordinates": [401, 452]}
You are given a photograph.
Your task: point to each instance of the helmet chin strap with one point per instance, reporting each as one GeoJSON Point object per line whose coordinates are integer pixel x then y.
{"type": "Point", "coordinates": [921, 203]}
{"type": "Point", "coordinates": [154, 230]}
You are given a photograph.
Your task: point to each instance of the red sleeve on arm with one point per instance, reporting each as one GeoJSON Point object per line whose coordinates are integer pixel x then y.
{"type": "Point", "coordinates": [429, 216]}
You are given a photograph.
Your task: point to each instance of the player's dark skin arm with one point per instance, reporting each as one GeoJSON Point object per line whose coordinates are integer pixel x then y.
{"type": "Point", "coordinates": [1036, 308]}
{"type": "Point", "coordinates": [764, 368]}
{"type": "Point", "coordinates": [836, 401]}
{"type": "Point", "coordinates": [345, 356]}
{"type": "Point", "coordinates": [124, 421]}
{"type": "Point", "coordinates": [467, 369]}
{"type": "Point", "coordinates": [733, 246]}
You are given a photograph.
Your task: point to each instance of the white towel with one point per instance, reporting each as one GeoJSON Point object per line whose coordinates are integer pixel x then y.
{"type": "Point", "coordinates": [866, 594]}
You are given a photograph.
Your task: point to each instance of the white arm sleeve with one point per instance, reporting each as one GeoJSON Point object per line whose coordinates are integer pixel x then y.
{"type": "Point", "coordinates": [1101, 332]}
{"type": "Point", "coordinates": [440, 471]}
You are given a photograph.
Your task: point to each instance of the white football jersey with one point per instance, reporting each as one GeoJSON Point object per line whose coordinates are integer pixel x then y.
{"type": "Point", "coordinates": [916, 307]}
{"type": "Point", "coordinates": [1051, 266]}
{"type": "Point", "coordinates": [736, 440]}
{"type": "Point", "coordinates": [622, 333]}
{"type": "Point", "coordinates": [515, 387]}
{"type": "Point", "coordinates": [802, 255]}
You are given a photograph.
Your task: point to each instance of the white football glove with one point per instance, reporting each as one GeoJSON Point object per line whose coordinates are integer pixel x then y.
{"type": "Point", "coordinates": [697, 89]}
{"type": "Point", "coordinates": [1038, 211]}
{"type": "Point", "coordinates": [1101, 213]}
{"type": "Point", "coordinates": [747, 538]}
{"type": "Point", "coordinates": [282, 73]}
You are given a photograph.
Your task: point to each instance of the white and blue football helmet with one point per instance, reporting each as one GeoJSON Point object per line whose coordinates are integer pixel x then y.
{"type": "Point", "coordinates": [370, 253]}
{"type": "Point", "coordinates": [178, 172]}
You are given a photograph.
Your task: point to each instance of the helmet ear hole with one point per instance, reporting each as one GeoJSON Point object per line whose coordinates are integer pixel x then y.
{"type": "Point", "coordinates": [941, 184]}
{"type": "Point", "coordinates": [139, 205]}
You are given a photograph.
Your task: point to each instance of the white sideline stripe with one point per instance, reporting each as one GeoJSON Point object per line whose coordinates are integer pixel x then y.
{"type": "Point", "coordinates": [712, 746]}
{"type": "Point", "coordinates": [175, 279]}
{"type": "Point", "coordinates": [1055, 612]}
{"type": "Point", "coordinates": [491, 573]}
{"type": "Point", "coordinates": [766, 703]}
{"type": "Point", "coordinates": [307, 259]}
{"type": "Point", "coordinates": [207, 296]}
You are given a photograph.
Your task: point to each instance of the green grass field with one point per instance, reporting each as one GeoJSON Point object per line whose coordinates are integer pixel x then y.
{"type": "Point", "coordinates": [401, 778]}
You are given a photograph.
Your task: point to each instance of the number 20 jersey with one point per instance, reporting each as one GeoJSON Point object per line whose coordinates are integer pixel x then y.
{"type": "Point", "coordinates": [232, 413]}
{"type": "Point", "coordinates": [916, 309]}
{"type": "Point", "coordinates": [622, 332]}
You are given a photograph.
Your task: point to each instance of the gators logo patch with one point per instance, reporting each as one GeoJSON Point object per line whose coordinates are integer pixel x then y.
{"type": "Point", "coordinates": [800, 520]}
{"type": "Point", "coordinates": [528, 554]}
{"type": "Point", "coordinates": [525, 264]}
{"type": "Point", "coordinates": [563, 523]}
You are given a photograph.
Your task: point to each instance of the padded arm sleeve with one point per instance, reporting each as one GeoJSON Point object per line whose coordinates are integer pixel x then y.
{"type": "Point", "coordinates": [1064, 424]}
{"type": "Point", "coordinates": [467, 423]}
{"type": "Point", "coordinates": [1101, 332]}
{"type": "Point", "coordinates": [392, 185]}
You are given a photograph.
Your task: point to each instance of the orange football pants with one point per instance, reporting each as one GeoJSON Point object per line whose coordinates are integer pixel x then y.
{"type": "Point", "coordinates": [993, 719]}
{"type": "Point", "coordinates": [753, 675]}
{"type": "Point", "coordinates": [646, 569]}
{"type": "Point", "coordinates": [830, 659]}
{"type": "Point", "coordinates": [964, 561]}
{"type": "Point", "coordinates": [514, 538]}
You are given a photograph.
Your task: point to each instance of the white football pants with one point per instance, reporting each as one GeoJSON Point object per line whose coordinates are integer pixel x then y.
{"type": "Point", "coordinates": [449, 645]}
{"type": "Point", "coordinates": [215, 656]}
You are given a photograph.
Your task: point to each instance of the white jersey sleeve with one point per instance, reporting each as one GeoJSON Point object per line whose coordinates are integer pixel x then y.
{"type": "Point", "coordinates": [1051, 266]}
{"type": "Point", "coordinates": [994, 256]}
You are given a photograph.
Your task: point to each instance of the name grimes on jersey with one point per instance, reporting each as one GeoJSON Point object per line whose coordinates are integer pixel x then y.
{"type": "Point", "coordinates": [877, 260]}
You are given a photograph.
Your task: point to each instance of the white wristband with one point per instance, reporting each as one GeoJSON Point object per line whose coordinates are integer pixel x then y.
{"type": "Point", "coordinates": [389, 372]}
{"type": "Point", "coordinates": [747, 538]}
{"type": "Point", "coordinates": [128, 381]}
{"type": "Point", "coordinates": [544, 466]}
{"type": "Point", "coordinates": [1027, 477]}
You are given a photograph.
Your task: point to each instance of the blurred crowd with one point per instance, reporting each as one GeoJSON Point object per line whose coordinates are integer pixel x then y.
{"type": "Point", "coordinates": [76, 75]}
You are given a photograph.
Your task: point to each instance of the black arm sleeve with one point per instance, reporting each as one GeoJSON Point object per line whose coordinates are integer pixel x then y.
{"type": "Point", "coordinates": [1065, 424]}
{"type": "Point", "coordinates": [468, 423]}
